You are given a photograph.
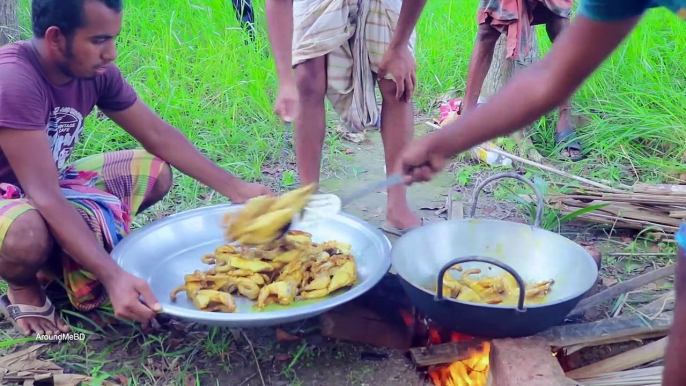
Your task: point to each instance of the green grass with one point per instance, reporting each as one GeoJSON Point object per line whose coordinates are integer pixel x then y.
{"type": "Point", "coordinates": [636, 106]}
{"type": "Point", "coordinates": [188, 61]}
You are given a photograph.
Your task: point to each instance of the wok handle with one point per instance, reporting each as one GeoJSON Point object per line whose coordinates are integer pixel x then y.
{"type": "Point", "coordinates": [539, 196]}
{"type": "Point", "coordinates": [439, 292]}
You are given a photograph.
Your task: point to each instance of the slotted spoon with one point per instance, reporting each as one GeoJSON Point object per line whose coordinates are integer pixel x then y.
{"type": "Point", "coordinates": [321, 206]}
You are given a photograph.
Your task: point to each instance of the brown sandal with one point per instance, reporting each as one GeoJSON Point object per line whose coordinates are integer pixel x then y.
{"type": "Point", "coordinates": [14, 312]}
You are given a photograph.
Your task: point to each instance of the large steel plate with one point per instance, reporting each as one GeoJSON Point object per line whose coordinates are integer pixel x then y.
{"type": "Point", "coordinates": [164, 251]}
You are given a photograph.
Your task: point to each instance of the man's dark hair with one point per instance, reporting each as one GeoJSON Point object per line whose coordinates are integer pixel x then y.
{"type": "Point", "coordinates": [68, 15]}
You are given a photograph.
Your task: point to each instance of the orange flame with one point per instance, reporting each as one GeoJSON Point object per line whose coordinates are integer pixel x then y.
{"type": "Point", "coordinates": [472, 371]}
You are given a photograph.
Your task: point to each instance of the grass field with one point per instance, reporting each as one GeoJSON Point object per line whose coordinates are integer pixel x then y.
{"type": "Point", "coordinates": [189, 62]}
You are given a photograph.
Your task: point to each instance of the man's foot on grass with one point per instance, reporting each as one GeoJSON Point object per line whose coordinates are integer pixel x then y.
{"type": "Point", "coordinates": [564, 134]}
{"type": "Point", "coordinates": [47, 323]}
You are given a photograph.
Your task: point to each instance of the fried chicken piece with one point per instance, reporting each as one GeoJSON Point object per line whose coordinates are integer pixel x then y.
{"type": "Point", "coordinates": [298, 239]}
{"type": "Point", "coordinates": [282, 292]}
{"type": "Point", "coordinates": [343, 277]}
{"type": "Point", "coordinates": [250, 265]}
{"type": "Point", "coordinates": [247, 288]}
{"type": "Point", "coordinates": [210, 300]}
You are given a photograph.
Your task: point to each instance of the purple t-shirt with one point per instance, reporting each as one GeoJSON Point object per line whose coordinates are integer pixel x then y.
{"type": "Point", "coordinates": [28, 101]}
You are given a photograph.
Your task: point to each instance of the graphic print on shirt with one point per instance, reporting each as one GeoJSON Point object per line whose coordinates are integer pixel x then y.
{"type": "Point", "coordinates": [64, 128]}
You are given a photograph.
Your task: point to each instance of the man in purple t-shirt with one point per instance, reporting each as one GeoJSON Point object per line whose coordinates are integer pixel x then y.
{"type": "Point", "coordinates": [48, 85]}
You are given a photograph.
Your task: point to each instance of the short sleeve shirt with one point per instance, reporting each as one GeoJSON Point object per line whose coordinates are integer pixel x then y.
{"type": "Point", "coordinates": [29, 101]}
{"type": "Point", "coordinates": [612, 10]}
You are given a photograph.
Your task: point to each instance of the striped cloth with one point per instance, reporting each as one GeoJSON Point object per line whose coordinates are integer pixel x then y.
{"type": "Point", "coordinates": [107, 190]}
{"type": "Point", "coordinates": [325, 28]}
{"type": "Point", "coordinates": [515, 18]}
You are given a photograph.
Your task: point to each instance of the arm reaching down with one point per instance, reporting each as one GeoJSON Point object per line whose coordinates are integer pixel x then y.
{"type": "Point", "coordinates": [168, 143]}
{"type": "Point", "coordinates": [280, 31]}
{"type": "Point", "coordinates": [578, 51]}
{"type": "Point", "coordinates": [397, 60]}
{"type": "Point", "coordinates": [409, 15]}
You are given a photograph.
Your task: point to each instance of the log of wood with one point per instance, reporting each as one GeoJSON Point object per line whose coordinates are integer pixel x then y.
{"type": "Point", "coordinates": [624, 210]}
{"type": "Point", "coordinates": [623, 288]}
{"type": "Point", "coordinates": [525, 361]}
{"type": "Point", "coordinates": [650, 310]}
{"type": "Point", "coordinates": [500, 72]}
{"type": "Point", "coordinates": [660, 189]}
{"type": "Point", "coordinates": [626, 223]}
{"type": "Point", "coordinates": [631, 198]}
{"type": "Point", "coordinates": [445, 353]}
{"type": "Point", "coordinates": [623, 361]}
{"type": "Point", "coordinates": [637, 338]}
{"type": "Point", "coordinates": [606, 329]}
{"type": "Point", "coordinates": [9, 21]}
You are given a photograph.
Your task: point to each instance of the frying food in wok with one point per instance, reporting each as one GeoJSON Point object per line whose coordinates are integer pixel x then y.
{"type": "Point", "coordinates": [284, 271]}
{"type": "Point", "coordinates": [263, 218]}
{"type": "Point", "coordinates": [501, 289]}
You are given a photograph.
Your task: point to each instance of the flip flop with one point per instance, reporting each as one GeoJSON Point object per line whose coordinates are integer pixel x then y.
{"type": "Point", "coordinates": [14, 312]}
{"type": "Point", "coordinates": [568, 137]}
{"type": "Point", "coordinates": [392, 229]}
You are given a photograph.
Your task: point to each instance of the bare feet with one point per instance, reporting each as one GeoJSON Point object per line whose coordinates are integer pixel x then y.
{"type": "Point", "coordinates": [34, 296]}
{"type": "Point", "coordinates": [401, 216]}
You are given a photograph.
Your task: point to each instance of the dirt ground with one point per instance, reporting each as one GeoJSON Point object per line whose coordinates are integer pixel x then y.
{"type": "Point", "coordinates": [176, 353]}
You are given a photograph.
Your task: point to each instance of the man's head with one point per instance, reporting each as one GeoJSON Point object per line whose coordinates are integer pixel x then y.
{"type": "Point", "coordinates": [78, 35]}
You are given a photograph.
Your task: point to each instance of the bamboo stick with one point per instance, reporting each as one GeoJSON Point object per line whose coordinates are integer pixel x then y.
{"type": "Point", "coordinates": [548, 168]}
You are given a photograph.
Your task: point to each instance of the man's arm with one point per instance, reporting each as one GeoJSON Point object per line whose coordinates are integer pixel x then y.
{"type": "Point", "coordinates": [163, 140]}
{"type": "Point", "coordinates": [579, 51]}
{"type": "Point", "coordinates": [407, 21]}
{"type": "Point", "coordinates": [37, 175]}
{"type": "Point", "coordinates": [280, 32]}
{"type": "Point", "coordinates": [398, 63]}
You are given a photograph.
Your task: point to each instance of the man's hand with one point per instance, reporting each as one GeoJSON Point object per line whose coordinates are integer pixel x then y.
{"type": "Point", "coordinates": [399, 63]}
{"type": "Point", "coordinates": [286, 105]}
{"type": "Point", "coordinates": [420, 162]}
{"type": "Point", "coordinates": [246, 191]}
{"type": "Point", "coordinates": [125, 290]}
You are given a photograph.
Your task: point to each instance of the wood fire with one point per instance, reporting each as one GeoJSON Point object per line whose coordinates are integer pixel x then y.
{"type": "Point", "coordinates": [472, 371]}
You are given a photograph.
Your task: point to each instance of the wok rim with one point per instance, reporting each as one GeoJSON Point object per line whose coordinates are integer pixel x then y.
{"type": "Point", "coordinates": [432, 294]}
{"type": "Point", "coordinates": [381, 267]}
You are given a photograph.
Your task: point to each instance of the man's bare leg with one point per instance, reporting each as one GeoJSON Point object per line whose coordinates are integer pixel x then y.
{"type": "Point", "coordinates": [554, 27]}
{"type": "Point", "coordinates": [397, 129]}
{"type": "Point", "coordinates": [26, 253]}
{"type": "Point", "coordinates": [25, 250]}
{"type": "Point", "coordinates": [310, 125]}
{"type": "Point", "coordinates": [480, 62]}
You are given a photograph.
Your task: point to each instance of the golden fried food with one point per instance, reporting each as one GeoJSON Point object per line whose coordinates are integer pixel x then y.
{"type": "Point", "coordinates": [210, 300]}
{"type": "Point", "coordinates": [282, 271]}
{"type": "Point", "coordinates": [263, 219]}
{"type": "Point", "coordinates": [501, 289]}
{"type": "Point", "coordinates": [282, 292]}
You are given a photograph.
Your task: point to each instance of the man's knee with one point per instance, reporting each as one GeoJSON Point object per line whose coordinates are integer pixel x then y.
{"type": "Point", "coordinates": [486, 34]}
{"type": "Point", "coordinates": [28, 241]}
{"type": "Point", "coordinates": [164, 182]}
{"type": "Point", "coordinates": [160, 189]}
{"type": "Point", "coordinates": [310, 79]}
{"type": "Point", "coordinates": [388, 89]}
